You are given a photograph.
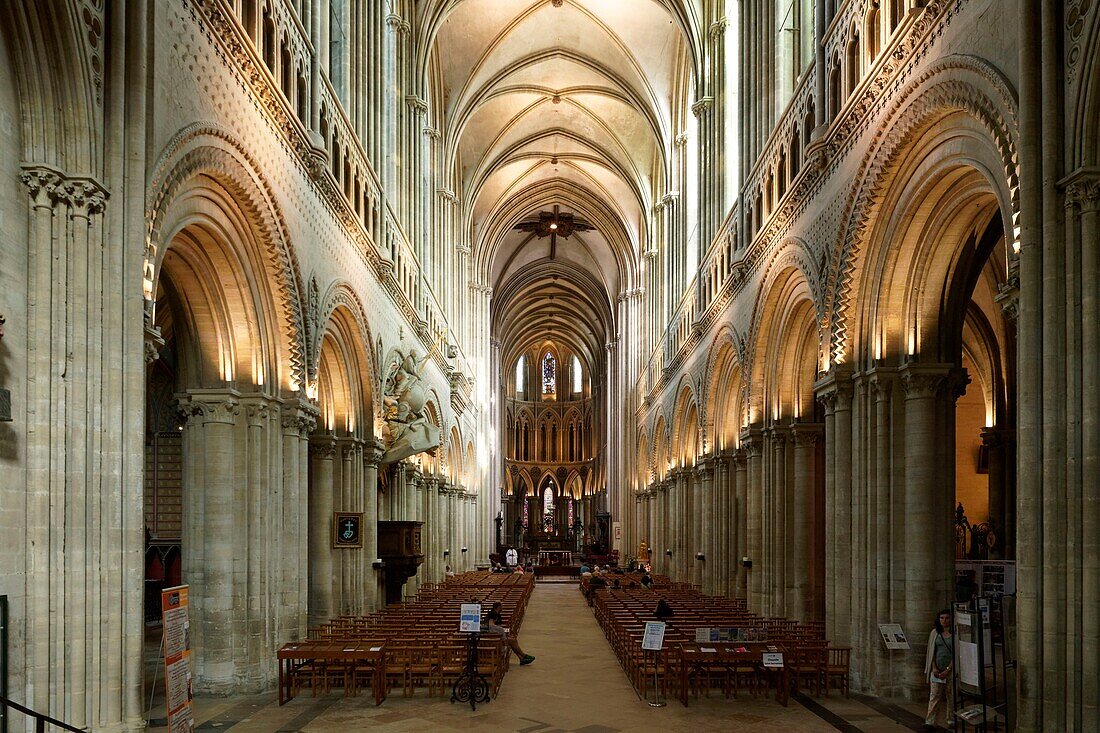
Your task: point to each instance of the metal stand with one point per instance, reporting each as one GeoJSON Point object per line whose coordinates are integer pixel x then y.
{"type": "Point", "coordinates": [656, 702]}
{"type": "Point", "coordinates": [471, 686]}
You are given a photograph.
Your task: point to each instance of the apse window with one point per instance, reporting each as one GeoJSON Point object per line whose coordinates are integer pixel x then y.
{"type": "Point", "coordinates": [549, 374]}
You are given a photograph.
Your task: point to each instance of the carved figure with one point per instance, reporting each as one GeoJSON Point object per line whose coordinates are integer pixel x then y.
{"type": "Point", "coordinates": [404, 398]}
{"type": "Point", "coordinates": [643, 552]}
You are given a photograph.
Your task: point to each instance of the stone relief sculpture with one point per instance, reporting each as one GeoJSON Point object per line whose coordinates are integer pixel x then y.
{"type": "Point", "coordinates": [404, 398]}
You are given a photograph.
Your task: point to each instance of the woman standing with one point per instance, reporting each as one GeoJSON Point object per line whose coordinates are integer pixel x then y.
{"type": "Point", "coordinates": [939, 663]}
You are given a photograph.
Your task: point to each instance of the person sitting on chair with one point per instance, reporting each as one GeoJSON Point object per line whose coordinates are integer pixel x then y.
{"type": "Point", "coordinates": [494, 621]}
{"type": "Point", "coordinates": [664, 611]}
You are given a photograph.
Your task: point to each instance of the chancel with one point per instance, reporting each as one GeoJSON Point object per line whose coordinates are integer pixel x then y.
{"type": "Point", "coordinates": [327, 326]}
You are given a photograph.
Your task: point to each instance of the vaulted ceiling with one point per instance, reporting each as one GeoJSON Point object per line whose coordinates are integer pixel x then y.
{"type": "Point", "coordinates": [567, 103]}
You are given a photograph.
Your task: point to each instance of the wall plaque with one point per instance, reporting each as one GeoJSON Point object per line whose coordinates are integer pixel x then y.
{"type": "Point", "coordinates": [347, 529]}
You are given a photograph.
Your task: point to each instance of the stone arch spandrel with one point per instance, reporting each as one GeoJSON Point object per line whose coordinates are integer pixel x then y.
{"type": "Point", "coordinates": [57, 54]}
{"type": "Point", "coordinates": [207, 150]}
{"type": "Point", "coordinates": [956, 83]}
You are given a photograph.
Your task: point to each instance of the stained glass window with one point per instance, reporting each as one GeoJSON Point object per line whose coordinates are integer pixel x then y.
{"type": "Point", "coordinates": [571, 520]}
{"type": "Point", "coordinates": [577, 386]}
{"type": "Point", "coordinates": [549, 373]}
{"type": "Point", "coordinates": [548, 501]}
{"type": "Point", "coordinates": [526, 513]}
{"type": "Point", "coordinates": [520, 363]}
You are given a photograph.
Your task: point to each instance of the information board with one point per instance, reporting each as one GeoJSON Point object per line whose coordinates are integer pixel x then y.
{"type": "Point", "coordinates": [893, 636]}
{"type": "Point", "coordinates": [470, 618]}
{"type": "Point", "coordinates": [177, 659]}
{"type": "Point", "coordinates": [654, 637]}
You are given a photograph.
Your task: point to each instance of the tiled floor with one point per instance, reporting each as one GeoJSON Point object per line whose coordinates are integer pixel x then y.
{"type": "Point", "coordinates": [574, 685]}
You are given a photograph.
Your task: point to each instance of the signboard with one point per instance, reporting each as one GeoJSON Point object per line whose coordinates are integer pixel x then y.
{"type": "Point", "coordinates": [773, 660]}
{"type": "Point", "coordinates": [893, 636]}
{"type": "Point", "coordinates": [702, 633]}
{"type": "Point", "coordinates": [177, 659]}
{"type": "Point", "coordinates": [968, 663]}
{"type": "Point", "coordinates": [654, 638]}
{"type": "Point", "coordinates": [347, 529]}
{"type": "Point", "coordinates": [469, 620]}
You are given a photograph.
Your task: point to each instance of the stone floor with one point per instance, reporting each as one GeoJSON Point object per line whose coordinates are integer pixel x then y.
{"type": "Point", "coordinates": [574, 685]}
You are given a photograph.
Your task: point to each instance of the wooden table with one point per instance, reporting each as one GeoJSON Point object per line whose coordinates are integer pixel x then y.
{"type": "Point", "coordinates": [295, 655]}
{"type": "Point", "coordinates": [726, 653]}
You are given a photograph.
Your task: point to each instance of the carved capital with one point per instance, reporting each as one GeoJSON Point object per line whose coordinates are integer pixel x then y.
{"type": "Point", "coordinates": [880, 383]}
{"type": "Point", "coordinates": [83, 196]}
{"type": "Point", "coordinates": [372, 453]}
{"type": "Point", "coordinates": [322, 447]}
{"type": "Point", "coordinates": [806, 434]}
{"type": "Point", "coordinates": [257, 410]}
{"type": "Point", "coordinates": [416, 104]}
{"type": "Point", "coordinates": [701, 107]}
{"type": "Point", "coordinates": [204, 407]}
{"type": "Point", "coordinates": [1082, 189]}
{"type": "Point", "coordinates": [398, 24]}
{"type": "Point", "coordinates": [933, 380]}
{"type": "Point", "coordinates": [41, 182]}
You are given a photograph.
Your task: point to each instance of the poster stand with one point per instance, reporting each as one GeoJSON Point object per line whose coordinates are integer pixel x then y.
{"type": "Point", "coordinates": [977, 704]}
{"type": "Point", "coordinates": [653, 640]}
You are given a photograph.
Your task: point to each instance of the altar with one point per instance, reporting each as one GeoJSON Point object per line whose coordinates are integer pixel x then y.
{"type": "Point", "coordinates": [555, 558]}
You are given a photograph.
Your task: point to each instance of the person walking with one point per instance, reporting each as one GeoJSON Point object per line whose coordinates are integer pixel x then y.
{"type": "Point", "coordinates": [939, 666]}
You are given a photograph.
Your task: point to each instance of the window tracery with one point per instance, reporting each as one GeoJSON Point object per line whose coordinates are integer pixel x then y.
{"type": "Point", "coordinates": [549, 374]}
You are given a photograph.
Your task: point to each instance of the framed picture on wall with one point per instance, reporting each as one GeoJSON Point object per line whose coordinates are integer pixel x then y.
{"type": "Point", "coordinates": [347, 529]}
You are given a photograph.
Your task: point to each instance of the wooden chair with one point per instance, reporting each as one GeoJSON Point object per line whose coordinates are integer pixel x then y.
{"type": "Point", "coordinates": [837, 668]}
{"type": "Point", "coordinates": [808, 662]}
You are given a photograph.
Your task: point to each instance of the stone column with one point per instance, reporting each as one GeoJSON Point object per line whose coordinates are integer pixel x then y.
{"type": "Point", "coordinates": [885, 527]}
{"type": "Point", "coordinates": [835, 393]}
{"type": "Point", "coordinates": [778, 515]}
{"type": "Point", "coordinates": [752, 443]}
{"type": "Point", "coordinates": [259, 511]}
{"type": "Point", "coordinates": [372, 458]}
{"type": "Point", "coordinates": [928, 504]}
{"type": "Point", "coordinates": [702, 489]}
{"type": "Point", "coordinates": [210, 533]}
{"type": "Point", "coordinates": [723, 547]}
{"type": "Point", "coordinates": [322, 455]}
{"type": "Point", "coordinates": [298, 420]}
{"type": "Point", "coordinates": [414, 482]}
{"type": "Point", "coordinates": [993, 439]}
{"type": "Point", "coordinates": [806, 583]}
{"type": "Point", "coordinates": [740, 534]}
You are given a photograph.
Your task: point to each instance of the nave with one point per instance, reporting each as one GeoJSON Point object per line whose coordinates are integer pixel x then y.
{"type": "Point", "coordinates": [575, 685]}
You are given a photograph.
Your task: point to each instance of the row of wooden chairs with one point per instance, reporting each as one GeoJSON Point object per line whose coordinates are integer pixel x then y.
{"type": "Point", "coordinates": [419, 638]}
{"type": "Point", "coordinates": [812, 664]}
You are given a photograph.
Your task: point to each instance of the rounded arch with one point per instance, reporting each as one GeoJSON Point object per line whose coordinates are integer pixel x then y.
{"type": "Point", "coordinates": [206, 158]}
{"type": "Point", "coordinates": [343, 324]}
{"type": "Point", "coordinates": [785, 331]}
{"type": "Point", "coordinates": [686, 437]}
{"type": "Point", "coordinates": [962, 87]}
{"type": "Point", "coordinates": [345, 380]}
{"type": "Point", "coordinates": [642, 466]}
{"type": "Point", "coordinates": [723, 417]}
{"type": "Point", "coordinates": [661, 459]}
